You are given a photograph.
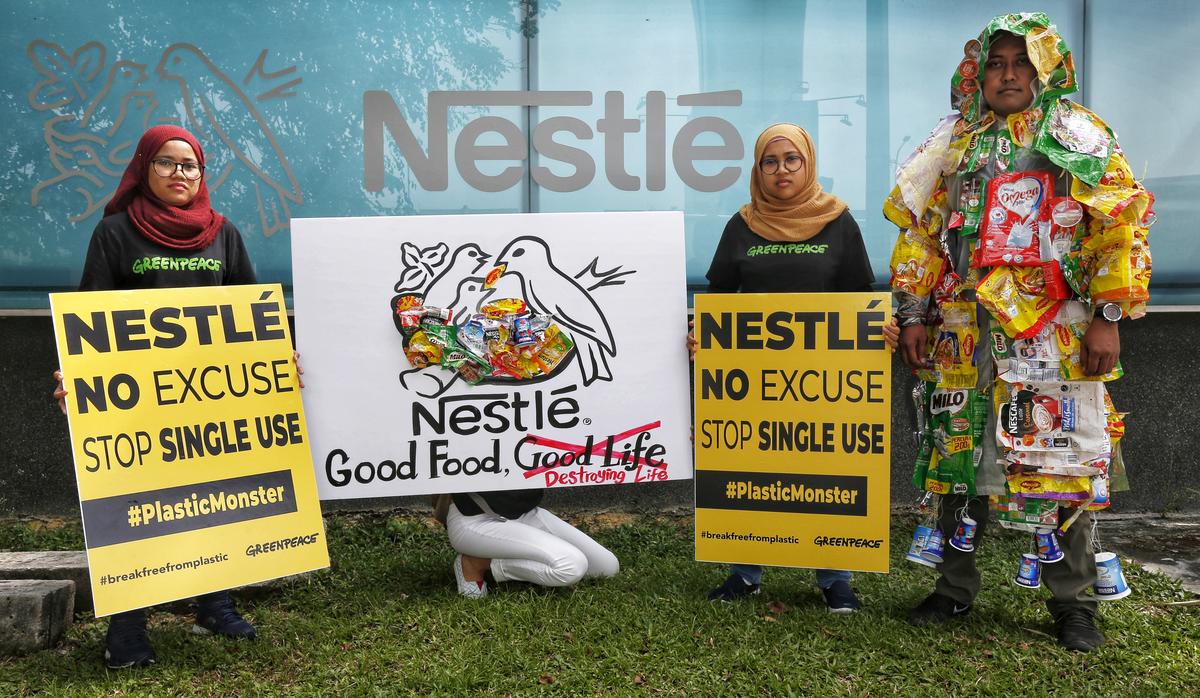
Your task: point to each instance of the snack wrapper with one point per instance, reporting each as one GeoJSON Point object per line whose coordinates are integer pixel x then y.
{"type": "Point", "coordinates": [1069, 326]}
{"type": "Point", "coordinates": [504, 341]}
{"type": "Point", "coordinates": [1016, 218]}
{"type": "Point", "coordinates": [407, 312]}
{"type": "Point", "coordinates": [971, 194]}
{"type": "Point", "coordinates": [919, 175]}
{"type": "Point", "coordinates": [409, 321]}
{"type": "Point", "coordinates": [1055, 487]}
{"type": "Point", "coordinates": [979, 151]}
{"type": "Point", "coordinates": [1015, 296]}
{"type": "Point", "coordinates": [445, 337]}
{"type": "Point", "coordinates": [504, 307]}
{"type": "Point", "coordinates": [1024, 125]}
{"type": "Point", "coordinates": [1115, 421]}
{"type": "Point", "coordinates": [553, 349]}
{"type": "Point", "coordinates": [956, 423]}
{"type": "Point", "coordinates": [1120, 270]}
{"type": "Point", "coordinates": [896, 211]}
{"type": "Point", "coordinates": [1025, 514]}
{"type": "Point", "coordinates": [1058, 417]}
{"type": "Point", "coordinates": [421, 352]}
{"type": "Point", "coordinates": [916, 263]}
{"type": "Point", "coordinates": [923, 435]}
{"type": "Point", "coordinates": [473, 369]}
{"type": "Point", "coordinates": [953, 348]}
{"type": "Point", "coordinates": [1076, 140]}
{"type": "Point", "coordinates": [1117, 196]}
{"type": "Point", "coordinates": [1070, 464]}
{"type": "Point", "coordinates": [1036, 358]}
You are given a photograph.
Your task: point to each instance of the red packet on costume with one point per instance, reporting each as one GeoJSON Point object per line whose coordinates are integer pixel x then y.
{"type": "Point", "coordinates": [1016, 216]}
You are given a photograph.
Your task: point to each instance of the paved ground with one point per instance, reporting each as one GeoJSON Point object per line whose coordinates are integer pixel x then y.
{"type": "Point", "coordinates": [1169, 544]}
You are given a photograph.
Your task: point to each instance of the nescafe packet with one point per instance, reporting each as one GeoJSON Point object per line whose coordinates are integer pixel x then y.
{"type": "Point", "coordinates": [1062, 417]}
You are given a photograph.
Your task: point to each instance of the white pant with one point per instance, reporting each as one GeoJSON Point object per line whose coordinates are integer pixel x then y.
{"type": "Point", "coordinates": [539, 547]}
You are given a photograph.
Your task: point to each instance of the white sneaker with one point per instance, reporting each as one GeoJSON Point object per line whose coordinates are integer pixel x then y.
{"type": "Point", "coordinates": [469, 589]}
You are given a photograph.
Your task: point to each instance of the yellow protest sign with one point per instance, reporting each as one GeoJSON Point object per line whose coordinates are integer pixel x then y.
{"type": "Point", "coordinates": [190, 446]}
{"type": "Point", "coordinates": [793, 415]}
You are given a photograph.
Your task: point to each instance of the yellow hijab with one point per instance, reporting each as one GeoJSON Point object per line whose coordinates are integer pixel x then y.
{"type": "Point", "coordinates": [797, 219]}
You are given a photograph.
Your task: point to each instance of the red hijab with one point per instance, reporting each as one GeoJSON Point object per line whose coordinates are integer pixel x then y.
{"type": "Point", "coordinates": [190, 227]}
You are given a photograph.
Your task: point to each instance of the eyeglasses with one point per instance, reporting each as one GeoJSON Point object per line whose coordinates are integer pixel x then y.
{"type": "Point", "coordinates": [791, 163]}
{"type": "Point", "coordinates": [164, 167]}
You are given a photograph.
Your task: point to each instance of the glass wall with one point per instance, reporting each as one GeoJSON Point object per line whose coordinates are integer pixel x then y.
{"type": "Point", "coordinates": [311, 109]}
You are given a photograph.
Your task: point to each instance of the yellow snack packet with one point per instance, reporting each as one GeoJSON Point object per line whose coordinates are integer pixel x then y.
{"type": "Point", "coordinates": [1016, 297]}
{"type": "Point", "coordinates": [1117, 196]}
{"type": "Point", "coordinates": [953, 352]}
{"type": "Point", "coordinates": [1043, 486]}
{"type": "Point", "coordinates": [1120, 272]}
{"type": "Point", "coordinates": [916, 265]}
{"type": "Point", "coordinates": [1070, 325]}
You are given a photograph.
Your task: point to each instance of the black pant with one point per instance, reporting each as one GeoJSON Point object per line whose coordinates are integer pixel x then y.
{"type": "Point", "coordinates": [1068, 579]}
{"type": "Point", "coordinates": [138, 615]}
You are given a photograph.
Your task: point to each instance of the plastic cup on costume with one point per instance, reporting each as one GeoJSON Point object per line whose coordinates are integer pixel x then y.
{"type": "Point", "coordinates": [1047, 546]}
{"type": "Point", "coordinates": [1110, 580]}
{"type": "Point", "coordinates": [964, 537]}
{"type": "Point", "coordinates": [920, 537]}
{"type": "Point", "coordinates": [935, 545]}
{"type": "Point", "coordinates": [1029, 574]}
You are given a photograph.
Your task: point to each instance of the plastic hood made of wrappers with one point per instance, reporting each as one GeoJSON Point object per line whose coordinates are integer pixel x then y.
{"type": "Point", "coordinates": [1113, 253]}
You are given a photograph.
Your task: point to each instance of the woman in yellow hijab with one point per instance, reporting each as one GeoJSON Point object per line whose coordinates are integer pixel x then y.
{"type": "Point", "coordinates": [791, 238]}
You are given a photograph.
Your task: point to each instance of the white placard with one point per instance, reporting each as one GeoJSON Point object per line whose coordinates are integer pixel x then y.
{"type": "Point", "coordinates": [615, 411]}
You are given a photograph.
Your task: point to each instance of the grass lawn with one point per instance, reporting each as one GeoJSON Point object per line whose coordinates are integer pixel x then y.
{"type": "Point", "coordinates": [385, 620]}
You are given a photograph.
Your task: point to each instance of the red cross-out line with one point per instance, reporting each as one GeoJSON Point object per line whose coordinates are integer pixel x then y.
{"type": "Point", "coordinates": [577, 449]}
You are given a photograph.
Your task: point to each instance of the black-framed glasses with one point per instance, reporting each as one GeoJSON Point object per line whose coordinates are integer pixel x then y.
{"type": "Point", "coordinates": [791, 163]}
{"type": "Point", "coordinates": [165, 167]}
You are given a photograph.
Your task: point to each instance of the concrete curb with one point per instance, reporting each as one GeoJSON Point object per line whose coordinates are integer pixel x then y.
{"type": "Point", "coordinates": [34, 613]}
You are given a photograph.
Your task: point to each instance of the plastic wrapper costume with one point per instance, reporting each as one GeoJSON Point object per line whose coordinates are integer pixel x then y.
{"type": "Point", "coordinates": [1012, 230]}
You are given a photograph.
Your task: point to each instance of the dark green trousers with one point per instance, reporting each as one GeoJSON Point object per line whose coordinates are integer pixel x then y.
{"type": "Point", "coordinates": [1068, 579]}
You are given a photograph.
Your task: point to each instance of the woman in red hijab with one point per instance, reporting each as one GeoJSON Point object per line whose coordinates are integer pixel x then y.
{"type": "Point", "coordinates": [159, 231]}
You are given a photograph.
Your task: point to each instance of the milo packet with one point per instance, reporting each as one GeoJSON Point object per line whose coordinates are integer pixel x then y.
{"type": "Point", "coordinates": [956, 423]}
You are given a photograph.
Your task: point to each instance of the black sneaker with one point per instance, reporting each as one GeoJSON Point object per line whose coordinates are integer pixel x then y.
{"type": "Point", "coordinates": [840, 598]}
{"type": "Point", "coordinates": [1077, 631]}
{"type": "Point", "coordinates": [935, 609]}
{"type": "Point", "coordinates": [733, 589]}
{"type": "Point", "coordinates": [126, 645]}
{"type": "Point", "coordinates": [216, 614]}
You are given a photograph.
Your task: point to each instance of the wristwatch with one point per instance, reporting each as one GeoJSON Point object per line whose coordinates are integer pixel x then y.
{"type": "Point", "coordinates": [1110, 311]}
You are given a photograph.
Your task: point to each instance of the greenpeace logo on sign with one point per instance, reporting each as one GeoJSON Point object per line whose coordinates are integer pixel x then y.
{"type": "Point", "coordinates": [381, 115]}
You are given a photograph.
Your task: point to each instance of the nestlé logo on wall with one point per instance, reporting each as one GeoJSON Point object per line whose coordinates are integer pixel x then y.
{"type": "Point", "coordinates": [381, 115]}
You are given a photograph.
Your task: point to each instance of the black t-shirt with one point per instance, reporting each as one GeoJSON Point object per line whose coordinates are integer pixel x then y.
{"type": "Point", "coordinates": [834, 259]}
{"type": "Point", "coordinates": [510, 504]}
{"type": "Point", "coordinates": [120, 258]}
